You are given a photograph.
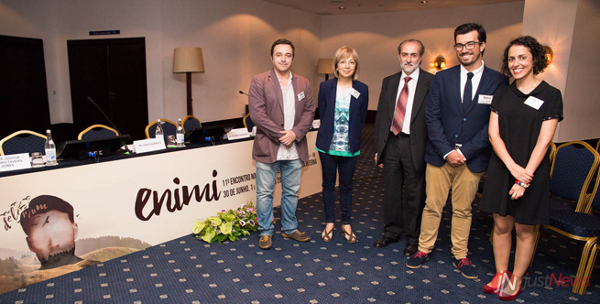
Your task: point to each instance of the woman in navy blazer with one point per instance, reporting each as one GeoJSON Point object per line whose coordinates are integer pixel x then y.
{"type": "Point", "coordinates": [343, 103]}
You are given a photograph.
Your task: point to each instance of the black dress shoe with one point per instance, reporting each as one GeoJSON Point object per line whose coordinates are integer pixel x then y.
{"type": "Point", "coordinates": [384, 242]}
{"type": "Point", "coordinates": [410, 250]}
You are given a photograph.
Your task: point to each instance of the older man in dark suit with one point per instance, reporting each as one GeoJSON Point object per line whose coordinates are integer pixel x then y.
{"type": "Point", "coordinates": [282, 108]}
{"type": "Point", "coordinates": [400, 138]}
{"type": "Point", "coordinates": [458, 151]}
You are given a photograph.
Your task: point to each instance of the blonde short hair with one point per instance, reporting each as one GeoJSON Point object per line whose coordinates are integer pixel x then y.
{"type": "Point", "coordinates": [342, 53]}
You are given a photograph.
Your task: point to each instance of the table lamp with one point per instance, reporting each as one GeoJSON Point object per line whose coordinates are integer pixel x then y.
{"type": "Point", "coordinates": [188, 60]}
{"type": "Point", "coordinates": [325, 66]}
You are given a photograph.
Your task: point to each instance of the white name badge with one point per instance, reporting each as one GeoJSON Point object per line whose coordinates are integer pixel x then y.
{"type": "Point", "coordinates": [354, 93]}
{"type": "Point", "coordinates": [485, 99]}
{"type": "Point", "coordinates": [14, 162]}
{"type": "Point", "coordinates": [301, 96]}
{"type": "Point", "coordinates": [316, 123]}
{"type": "Point", "coordinates": [533, 102]}
{"type": "Point", "coordinates": [238, 133]}
{"type": "Point", "coordinates": [148, 145]}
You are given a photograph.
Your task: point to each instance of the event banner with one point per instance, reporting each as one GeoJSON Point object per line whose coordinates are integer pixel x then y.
{"type": "Point", "coordinates": [61, 220]}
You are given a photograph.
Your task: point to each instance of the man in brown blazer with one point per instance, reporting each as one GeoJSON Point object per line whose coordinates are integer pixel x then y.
{"type": "Point", "coordinates": [281, 106]}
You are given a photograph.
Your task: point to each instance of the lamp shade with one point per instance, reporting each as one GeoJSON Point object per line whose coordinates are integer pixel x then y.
{"type": "Point", "coordinates": [325, 66]}
{"type": "Point", "coordinates": [188, 59]}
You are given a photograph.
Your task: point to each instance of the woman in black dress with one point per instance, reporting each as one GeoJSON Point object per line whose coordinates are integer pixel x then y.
{"type": "Point", "coordinates": [522, 123]}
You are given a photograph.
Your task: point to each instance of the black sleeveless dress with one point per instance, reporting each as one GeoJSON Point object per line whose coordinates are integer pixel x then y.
{"type": "Point", "coordinates": [520, 126]}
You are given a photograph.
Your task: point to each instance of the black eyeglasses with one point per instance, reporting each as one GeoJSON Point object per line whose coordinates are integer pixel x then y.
{"type": "Point", "coordinates": [469, 45]}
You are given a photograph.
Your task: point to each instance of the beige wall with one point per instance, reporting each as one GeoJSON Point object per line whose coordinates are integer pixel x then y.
{"type": "Point", "coordinates": [581, 101]}
{"type": "Point", "coordinates": [376, 37]}
{"type": "Point", "coordinates": [571, 29]}
{"type": "Point", "coordinates": [236, 35]}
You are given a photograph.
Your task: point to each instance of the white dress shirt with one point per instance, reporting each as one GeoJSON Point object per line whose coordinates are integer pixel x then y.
{"type": "Point", "coordinates": [412, 87]}
{"type": "Point", "coordinates": [474, 81]}
{"type": "Point", "coordinates": [289, 113]}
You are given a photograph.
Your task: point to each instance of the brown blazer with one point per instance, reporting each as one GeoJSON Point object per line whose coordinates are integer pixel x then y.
{"type": "Point", "coordinates": [265, 102]}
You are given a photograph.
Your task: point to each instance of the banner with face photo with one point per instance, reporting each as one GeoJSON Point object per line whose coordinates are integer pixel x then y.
{"type": "Point", "coordinates": [78, 216]}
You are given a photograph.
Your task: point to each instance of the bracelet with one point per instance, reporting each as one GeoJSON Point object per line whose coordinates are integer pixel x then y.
{"type": "Point", "coordinates": [522, 184]}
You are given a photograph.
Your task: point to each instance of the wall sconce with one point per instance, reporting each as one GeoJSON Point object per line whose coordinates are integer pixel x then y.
{"type": "Point", "coordinates": [549, 54]}
{"type": "Point", "coordinates": [439, 63]}
{"type": "Point", "coordinates": [325, 66]}
{"type": "Point", "coordinates": [188, 60]}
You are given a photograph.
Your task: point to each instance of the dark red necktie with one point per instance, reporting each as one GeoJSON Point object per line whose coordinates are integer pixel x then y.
{"type": "Point", "coordinates": [401, 108]}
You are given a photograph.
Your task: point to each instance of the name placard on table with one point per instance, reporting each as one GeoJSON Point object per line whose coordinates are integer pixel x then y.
{"type": "Point", "coordinates": [238, 133]}
{"type": "Point", "coordinates": [14, 162]}
{"type": "Point", "coordinates": [148, 145]}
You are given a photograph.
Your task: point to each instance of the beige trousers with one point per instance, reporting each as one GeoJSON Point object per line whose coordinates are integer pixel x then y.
{"type": "Point", "coordinates": [464, 184]}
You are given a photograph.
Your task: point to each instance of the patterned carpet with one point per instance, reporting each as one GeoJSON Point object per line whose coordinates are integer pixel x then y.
{"type": "Point", "coordinates": [186, 270]}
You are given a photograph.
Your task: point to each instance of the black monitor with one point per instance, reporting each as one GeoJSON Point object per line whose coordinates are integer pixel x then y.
{"type": "Point", "coordinates": [211, 134]}
{"type": "Point", "coordinates": [80, 149]}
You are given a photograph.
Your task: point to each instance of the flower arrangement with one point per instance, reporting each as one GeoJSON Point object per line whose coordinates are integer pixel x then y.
{"type": "Point", "coordinates": [228, 224]}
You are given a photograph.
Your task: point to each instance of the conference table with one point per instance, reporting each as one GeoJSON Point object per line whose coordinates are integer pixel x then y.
{"type": "Point", "coordinates": [153, 197]}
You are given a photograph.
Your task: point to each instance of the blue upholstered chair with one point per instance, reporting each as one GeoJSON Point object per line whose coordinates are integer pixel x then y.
{"type": "Point", "coordinates": [97, 131]}
{"type": "Point", "coordinates": [169, 128]}
{"type": "Point", "coordinates": [572, 170]}
{"type": "Point", "coordinates": [23, 141]}
{"type": "Point", "coordinates": [576, 224]}
{"type": "Point", "coordinates": [248, 122]}
{"type": "Point", "coordinates": [593, 225]}
{"type": "Point", "coordinates": [190, 123]}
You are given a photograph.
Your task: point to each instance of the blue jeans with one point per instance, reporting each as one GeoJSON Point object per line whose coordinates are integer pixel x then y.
{"type": "Point", "coordinates": [330, 165]}
{"type": "Point", "coordinates": [291, 171]}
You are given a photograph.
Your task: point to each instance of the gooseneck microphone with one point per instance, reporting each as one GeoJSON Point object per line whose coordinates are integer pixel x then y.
{"type": "Point", "coordinates": [127, 151]}
{"type": "Point", "coordinates": [242, 92]}
{"type": "Point", "coordinates": [111, 123]}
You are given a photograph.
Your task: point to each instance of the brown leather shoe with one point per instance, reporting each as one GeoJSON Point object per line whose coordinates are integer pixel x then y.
{"type": "Point", "coordinates": [297, 235]}
{"type": "Point", "coordinates": [265, 242]}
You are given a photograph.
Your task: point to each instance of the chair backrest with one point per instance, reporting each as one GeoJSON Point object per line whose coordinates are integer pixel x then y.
{"type": "Point", "coordinates": [598, 146]}
{"type": "Point", "coordinates": [248, 122]}
{"type": "Point", "coordinates": [552, 152]}
{"type": "Point", "coordinates": [572, 170]}
{"type": "Point", "coordinates": [97, 131]}
{"type": "Point", "coordinates": [190, 123]}
{"type": "Point", "coordinates": [23, 141]}
{"type": "Point", "coordinates": [594, 198]}
{"type": "Point", "coordinates": [169, 128]}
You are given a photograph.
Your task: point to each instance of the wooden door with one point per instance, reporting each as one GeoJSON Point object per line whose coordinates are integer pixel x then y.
{"type": "Point", "coordinates": [23, 89]}
{"type": "Point", "coordinates": [113, 73]}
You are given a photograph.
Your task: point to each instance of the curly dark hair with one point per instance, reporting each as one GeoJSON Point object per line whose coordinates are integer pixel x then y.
{"type": "Point", "coordinates": [538, 54]}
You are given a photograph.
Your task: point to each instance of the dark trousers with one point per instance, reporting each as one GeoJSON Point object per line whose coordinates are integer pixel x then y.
{"type": "Point", "coordinates": [331, 165]}
{"type": "Point", "coordinates": [402, 215]}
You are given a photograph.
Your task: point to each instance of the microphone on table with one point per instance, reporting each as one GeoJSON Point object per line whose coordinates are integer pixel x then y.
{"type": "Point", "coordinates": [110, 121]}
{"type": "Point", "coordinates": [242, 92]}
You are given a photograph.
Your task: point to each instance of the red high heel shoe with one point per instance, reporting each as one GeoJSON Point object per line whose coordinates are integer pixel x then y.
{"type": "Point", "coordinates": [509, 297]}
{"type": "Point", "coordinates": [497, 282]}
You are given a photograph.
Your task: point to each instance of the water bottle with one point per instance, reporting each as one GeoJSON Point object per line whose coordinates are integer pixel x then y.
{"type": "Point", "coordinates": [50, 150]}
{"type": "Point", "coordinates": [159, 130]}
{"type": "Point", "coordinates": [180, 136]}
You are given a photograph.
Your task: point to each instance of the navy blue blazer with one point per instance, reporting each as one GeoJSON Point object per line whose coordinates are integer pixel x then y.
{"type": "Point", "coordinates": [358, 113]}
{"type": "Point", "coordinates": [448, 125]}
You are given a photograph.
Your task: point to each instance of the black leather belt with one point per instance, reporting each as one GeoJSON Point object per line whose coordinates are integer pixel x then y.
{"type": "Point", "coordinates": [401, 135]}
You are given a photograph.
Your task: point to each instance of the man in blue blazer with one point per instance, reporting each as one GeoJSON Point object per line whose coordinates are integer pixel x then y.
{"type": "Point", "coordinates": [458, 151]}
{"type": "Point", "coordinates": [399, 151]}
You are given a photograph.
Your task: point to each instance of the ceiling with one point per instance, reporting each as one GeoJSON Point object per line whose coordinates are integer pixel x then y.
{"type": "Point", "coordinates": [332, 7]}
